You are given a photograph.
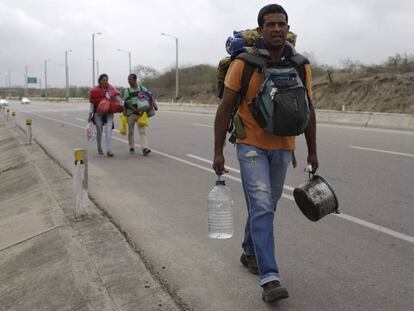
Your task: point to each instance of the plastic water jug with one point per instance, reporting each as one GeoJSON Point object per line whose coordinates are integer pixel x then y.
{"type": "Point", "coordinates": [220, 211]}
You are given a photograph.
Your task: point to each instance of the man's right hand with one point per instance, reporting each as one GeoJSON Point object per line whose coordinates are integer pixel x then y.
{"type": "Point", "coordinates": [218, 164]}
{"type": "Point", "coordinates": [221, 124]}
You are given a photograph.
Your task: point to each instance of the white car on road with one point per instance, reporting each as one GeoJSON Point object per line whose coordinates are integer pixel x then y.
{"type": "Point", "coordinates": [25, 100]}
{"type": "Point", "coordinates": [4, 103]}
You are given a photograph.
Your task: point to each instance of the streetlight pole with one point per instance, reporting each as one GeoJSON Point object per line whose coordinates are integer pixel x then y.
{"type": "Point", "coordinates": [93, 56]}
{"type": "Point", "coordinates": [176, 62]}
{"type": "Point", "coordinates": [67, 74]}
{"type": "Point", "coordinates": [26, 83]}
{"type": "Point", "coordinates": [129, 57]}
{"type": "Point", "coordinates": [9, 83]}
{"type": "Point", "coordinates": [46, 60]}
{"type": "Point", "coordinates": [97, 68]}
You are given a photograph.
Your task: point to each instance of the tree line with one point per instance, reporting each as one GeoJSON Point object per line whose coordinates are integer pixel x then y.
{"type": "Point", "coordinates": [199, 81]}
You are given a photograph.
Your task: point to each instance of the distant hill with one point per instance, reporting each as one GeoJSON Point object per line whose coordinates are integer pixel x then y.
{"type": "Point", "coordinates": [383, 92]}
{"type": "Point", "coordinates": [377, 88]}
{"type": "Point", "coordinates": [197, 83]}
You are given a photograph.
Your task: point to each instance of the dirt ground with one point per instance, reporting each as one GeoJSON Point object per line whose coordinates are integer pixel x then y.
{"type": "Point", "coordinates": [374, 93]}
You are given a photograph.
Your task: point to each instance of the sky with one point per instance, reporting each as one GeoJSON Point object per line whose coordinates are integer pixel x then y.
{"type": "Point", "coordinates": [329, 30]}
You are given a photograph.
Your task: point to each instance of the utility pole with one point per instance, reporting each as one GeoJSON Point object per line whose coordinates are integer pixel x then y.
{"type": "Point", "coordinates": [26, 82]}
{"type": "Point", "coordinates": [176, 63]}
{"type": "Point", "coordinates": [9, 83]}
{"type": "Point", "coordinates": [93, 57]}
{"type": "Point", "coordinates": [67, 74]}
{"type": "Point", "coordinates": [46, 60]}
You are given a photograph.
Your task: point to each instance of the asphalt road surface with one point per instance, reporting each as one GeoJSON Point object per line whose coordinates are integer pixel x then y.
{"type": "Point", "coordinates": [362, 259]}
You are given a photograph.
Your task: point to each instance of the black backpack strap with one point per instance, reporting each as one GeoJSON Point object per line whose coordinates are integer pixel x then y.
{"type": "Point", "coordinates": [132, 94]}
{"type": "Point", "coordinates": [300, 61]}
{"type": "Point", "coordinates": [253, 59]}
{"type": "Point", "coordinates": [129, 95]}
{"type": "Point", "coordinates": [248, 71]}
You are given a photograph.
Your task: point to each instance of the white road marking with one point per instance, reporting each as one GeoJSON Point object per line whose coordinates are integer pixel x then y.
{"type": "Point", "coordinates": [376, 227]}
{"type": "Point", "coordinates": [82, 120]}
{"type": "Point", "coordinates": [228, 168]}
{"type": "Point", "coordinates": [211, 162]}
{"type": "Point", "coordinates": [319, 124]}
{"type": "Point", "coordinates": [369, 129]}
{"type": "Point", "coordinates": [361, 222]}
{"type": "Point", "coordinates": [207, 114]}
{"type": "Point", "coordinates": [383, 151]}
{"type": "Point", "coordinates": [203, 125]}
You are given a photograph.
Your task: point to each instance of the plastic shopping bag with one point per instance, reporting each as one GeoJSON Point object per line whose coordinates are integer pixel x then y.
{"type": "Point", "coordinates": [123, 120]}
{"type": "Point", "coordinates": [90, 132]}
{"type": "Point", "coordinates": [143, 120]}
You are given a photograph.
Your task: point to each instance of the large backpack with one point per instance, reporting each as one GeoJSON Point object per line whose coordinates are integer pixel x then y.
{"type": "Point", "coordinates": [240, 42]}
{"type": "Point", "coordinates": [239, 46]}
{"type": "Point", "coordinates": [281, 106]}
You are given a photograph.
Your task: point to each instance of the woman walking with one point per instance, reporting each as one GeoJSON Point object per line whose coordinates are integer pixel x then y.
{"type": "Point", "coordinates": [97, 96]}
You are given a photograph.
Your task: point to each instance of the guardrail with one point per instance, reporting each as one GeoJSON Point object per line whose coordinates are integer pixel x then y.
{"type": "Point", "coordinates": [397, 121]}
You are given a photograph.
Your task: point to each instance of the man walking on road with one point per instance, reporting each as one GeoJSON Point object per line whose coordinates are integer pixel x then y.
{"type": "Point", "coordinates": [133, 112]}
{"type": "Point", "coordinates": [264, 157]}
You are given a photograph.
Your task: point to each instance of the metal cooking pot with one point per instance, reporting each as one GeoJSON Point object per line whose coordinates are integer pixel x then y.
{"type": "Point", "coordinates": [316, 198]}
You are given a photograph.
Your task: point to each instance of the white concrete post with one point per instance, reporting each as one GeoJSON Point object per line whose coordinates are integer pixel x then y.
{"type": "Point", "coordinates": [29, 131]}
{"type": "Point", "coordinates": [343, 107]}
{"type": "Point", "coordinates": [14, 118]}
{"type": "Point", "coordinates": [80, 183]}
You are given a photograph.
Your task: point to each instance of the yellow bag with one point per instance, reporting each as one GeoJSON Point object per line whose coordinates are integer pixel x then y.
{"type": "Point", "coordinates": [143, 120]}
{"type": "Point", "coordinates": [123, 120]}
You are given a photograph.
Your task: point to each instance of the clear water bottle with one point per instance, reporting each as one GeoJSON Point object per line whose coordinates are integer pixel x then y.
{"type": "Point", "coordinates": [220, 211]}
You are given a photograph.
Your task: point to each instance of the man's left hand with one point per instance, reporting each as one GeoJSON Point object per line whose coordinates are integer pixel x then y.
{"type": "Point", "coordinates": [313, 160]}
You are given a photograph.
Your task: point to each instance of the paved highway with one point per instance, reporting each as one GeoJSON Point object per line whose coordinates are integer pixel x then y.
{"type": "Point", "coordinates": [362, 259]}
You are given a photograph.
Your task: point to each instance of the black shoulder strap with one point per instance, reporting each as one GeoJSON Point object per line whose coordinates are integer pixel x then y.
{"type": "Point", "coordinates": [254, 60]}
{"type": "Point", "coordinates": [132, 94]}
{"type": "Point", "coordinates": [299, 60]}
{"type": "Point", "coordinates": [246, 76]}
{"type": "Point", "coordinates": [251, 63]}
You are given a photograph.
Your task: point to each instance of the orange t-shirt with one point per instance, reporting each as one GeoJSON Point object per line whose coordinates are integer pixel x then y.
{"type": "Point", "coordinates": [255, 135]}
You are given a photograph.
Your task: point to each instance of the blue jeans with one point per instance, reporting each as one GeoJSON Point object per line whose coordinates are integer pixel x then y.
{"type": "Point", "coordinates": [108, 130]}
{"type": "Point", "coordinates": [263, 174]}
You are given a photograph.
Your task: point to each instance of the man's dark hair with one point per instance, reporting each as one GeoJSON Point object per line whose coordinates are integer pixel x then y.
{"type": "Point", "coordinates": [268, 9]}
{"type": "Point", "coordinates": [104, 75]}
{"type": "Point", "coordinates": [133, 75]}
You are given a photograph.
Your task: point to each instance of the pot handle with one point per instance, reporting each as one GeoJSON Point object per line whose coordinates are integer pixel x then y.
{"type": "Point", "coordinates": [309, 170]}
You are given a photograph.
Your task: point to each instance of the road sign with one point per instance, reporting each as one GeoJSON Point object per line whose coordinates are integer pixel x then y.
{"type": "Point", "coordinates": [32, 80]}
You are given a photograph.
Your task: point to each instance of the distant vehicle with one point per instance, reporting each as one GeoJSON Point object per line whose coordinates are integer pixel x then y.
{"type": "Point", "coordinates": [25, 101]}
{"type": "Point", "coordinates": [4, 102]}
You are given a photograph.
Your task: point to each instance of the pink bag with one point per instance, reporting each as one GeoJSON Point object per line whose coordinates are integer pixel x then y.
{"type": "Point", "coordinates": [103, 107]}
{"type": "Point", "coordinates": [90, 131]}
